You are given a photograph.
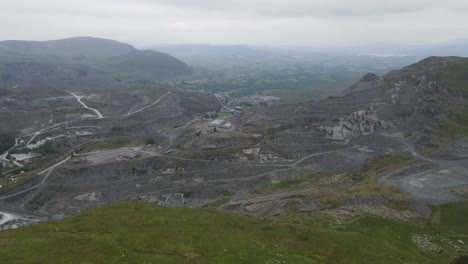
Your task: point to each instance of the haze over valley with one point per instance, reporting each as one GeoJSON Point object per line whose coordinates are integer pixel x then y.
{"type": "Point", "coordinates": [192, 148]}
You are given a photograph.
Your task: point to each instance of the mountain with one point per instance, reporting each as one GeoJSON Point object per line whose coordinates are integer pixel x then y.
{"type": "Point", "coordinates": [146, 63]}
{"type": "Point", "coordinates": [76, 48]}
{"type": "Point", "coordinates": [83, 63]}
{"type": "Point", "coordinates": [427, 101]}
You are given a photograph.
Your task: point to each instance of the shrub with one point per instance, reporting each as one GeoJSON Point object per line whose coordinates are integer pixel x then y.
{"type": "Point", "coordinates": [150, 141]}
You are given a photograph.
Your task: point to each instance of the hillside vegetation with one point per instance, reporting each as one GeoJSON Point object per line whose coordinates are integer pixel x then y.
{"type": "Point", "coordinates": [6, 142]}
{"type": "Point", "coordinates": [82, 63]}
{"type": "Point", "coordinates": [145, 233]}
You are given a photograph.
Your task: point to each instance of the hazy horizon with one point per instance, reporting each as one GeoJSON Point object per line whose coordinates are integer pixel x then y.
{"type": "Point", "coordinates": [296, 23]}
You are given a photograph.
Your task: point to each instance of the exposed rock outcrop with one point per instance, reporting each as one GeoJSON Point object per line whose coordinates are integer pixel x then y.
{"type": "Point", "coordinates": [89, 197]}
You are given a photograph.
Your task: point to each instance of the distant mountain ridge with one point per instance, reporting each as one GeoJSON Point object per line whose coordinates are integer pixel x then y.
{"type": "Point", "coordinates": [69, 48]}
{"type": "Point", "coordinates": [453, 48]}
{"type": "Point", "coordinates": [83, 63]}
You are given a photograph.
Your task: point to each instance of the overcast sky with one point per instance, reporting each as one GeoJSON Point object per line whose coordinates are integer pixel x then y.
{"type": "Point", "coordinates": [255, 22]}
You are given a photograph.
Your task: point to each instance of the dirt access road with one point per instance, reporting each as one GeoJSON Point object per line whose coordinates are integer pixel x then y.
{"type": "Point", "coordinates": [434, 185]}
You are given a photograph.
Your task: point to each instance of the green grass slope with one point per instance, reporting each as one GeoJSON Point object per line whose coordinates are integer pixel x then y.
{"type": "Point", "coordinates": [143, 64]}
{"type": "Point", "coordinates": [145, 233]}
{"type": "Point", "coordinates": [69, 48]}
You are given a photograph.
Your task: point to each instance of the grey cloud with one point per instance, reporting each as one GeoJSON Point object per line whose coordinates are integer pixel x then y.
{"type": "Point", "coordinates": [264, 22]}
{"type": "Point", "coordinates": [299, 7]}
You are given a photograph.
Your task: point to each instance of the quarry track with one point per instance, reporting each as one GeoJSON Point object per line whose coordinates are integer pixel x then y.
{"type": "Point", "coordinates": [295, 164]}
{"type": "Point", "coordinates": [433, 185]}
{"type": "Point", "coordinates": [244, 179]}
{"type": "Point", "coordinates": [47, 172]}
{"type": "Point", "coordinates": [130, 112]}
{"type": "Point", "coordinates": [292, 165]}
{"type": "Point", "coordinates": [282, 168]}
{"type": "Point", "coordinates": [3, 156]}
{"type": "Point", "coordinates": [42, 131]}
{"type": "Point", "coordinates": [411, 149]}
{"type": "Point", "coordinates": [78, 98]}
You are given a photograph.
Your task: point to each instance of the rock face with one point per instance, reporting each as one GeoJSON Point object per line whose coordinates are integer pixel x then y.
{"type": "Point", "coordinates": [10, 221]}
{"type": "Point", "coordinates": [362, 122]}
{"type": "Point", "coordinates": [416, 100]}
{"type": "Point", "coordinates": [368, 81]}
{"type": "Point", "coordinates": [251, 151]}
{"type": "Point", "coordinates": [370, 77]}
{"type": "Point", "coordinates": [166, 200]}
{"type": "Point", "coordinates": [89, 197]}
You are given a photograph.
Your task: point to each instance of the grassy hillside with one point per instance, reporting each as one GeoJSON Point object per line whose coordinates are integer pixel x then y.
{"type": "Point", "coordinates": [145, 233]}
{"type": "Point", "coordinates": [82, 63]}
{"type": "Point", "coordinates": [78, 48]}
{"type": "Point", "coordinates": [145, 66]}
{"type": "Point", "coordinates": [455, 76]}
{"type": "Point", "coordinates": [150, 61]}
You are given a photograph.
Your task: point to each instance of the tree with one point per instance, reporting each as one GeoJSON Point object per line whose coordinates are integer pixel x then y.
{"type": "Point", "coordinates": [48, 148]}
{"type": "Point", "coordinates": [7, 141]}
{"type": "Point", "coordinates": [150, 141]}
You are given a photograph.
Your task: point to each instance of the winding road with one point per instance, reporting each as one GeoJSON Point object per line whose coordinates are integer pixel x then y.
{"type": "Point", "coordinates": [49, 170]}
{"type": "Point", "coordinates": [39, 132]}
{"type": "Point", "coordinates": [3, 156]}
{"type": "Point", "coordinates": [146, 107]}
{"type": "Point", "coordinates": [46, 174]}
{"type": "Point", "coordinates": [78, 98]}
{"type": "Point", "coordinates": [433, 185]}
